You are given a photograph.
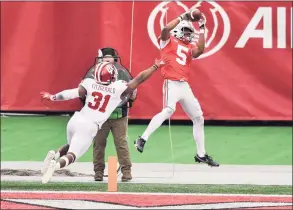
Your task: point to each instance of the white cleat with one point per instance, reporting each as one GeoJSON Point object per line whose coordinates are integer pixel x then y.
{"type": "Point", "coordinates": [50, 156]}
{"type": "Point", "coordinates": [49, 173]}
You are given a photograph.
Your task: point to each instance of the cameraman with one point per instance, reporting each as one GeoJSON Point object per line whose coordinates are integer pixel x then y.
{"type": "Point", "coordinates": [117, 123]}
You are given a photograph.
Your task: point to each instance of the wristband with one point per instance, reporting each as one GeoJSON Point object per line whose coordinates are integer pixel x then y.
{"type": "Point", "coordinates": [155, 66]}
{"type": "Point", "coordinates": [180, 18]}
{"type": "Point", "coordinates": [201, 31]}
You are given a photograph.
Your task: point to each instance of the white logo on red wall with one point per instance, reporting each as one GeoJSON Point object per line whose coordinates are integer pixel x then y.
{"type": "Point", "coordinates": [217, 25]}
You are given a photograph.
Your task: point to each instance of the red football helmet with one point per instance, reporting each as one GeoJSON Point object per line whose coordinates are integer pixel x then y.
{"type": "Point", "coordinates": [105, 73]}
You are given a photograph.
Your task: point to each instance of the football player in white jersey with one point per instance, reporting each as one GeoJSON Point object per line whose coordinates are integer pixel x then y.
{"type": "Point", "coordinates": [103, 94]}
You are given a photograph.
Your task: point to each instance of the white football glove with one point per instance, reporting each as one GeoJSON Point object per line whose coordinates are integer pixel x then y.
{"type": "Point", "coordinates": [185, 16]}
{"type": "Point", "coordinates": [202, 21]}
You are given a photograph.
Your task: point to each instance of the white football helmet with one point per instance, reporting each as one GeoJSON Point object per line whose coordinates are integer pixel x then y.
{"type": "Point", "coordinates": [184, 31]}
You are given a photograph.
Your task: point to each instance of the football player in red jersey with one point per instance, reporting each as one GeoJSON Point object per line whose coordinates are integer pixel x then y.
{"type": "Point", "coordinates": [176, 43]}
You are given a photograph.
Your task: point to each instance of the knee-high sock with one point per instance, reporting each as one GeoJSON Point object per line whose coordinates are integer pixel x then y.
{"type": "Point", "coordinates": [65, 160]}
{"type": "Point", "coordinates": [61, 151]}
{"type": "Point", "coordinates": [198, 135]}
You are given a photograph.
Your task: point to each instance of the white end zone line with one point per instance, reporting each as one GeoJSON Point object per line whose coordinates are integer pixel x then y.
{"type": "Point", "coordinates": [142, 193]}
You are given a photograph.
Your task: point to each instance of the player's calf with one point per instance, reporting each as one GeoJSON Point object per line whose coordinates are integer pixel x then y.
{"type": "Point", "coordinates": [66, 160]}
{"type": "Point", "coordinates": [62, 151]}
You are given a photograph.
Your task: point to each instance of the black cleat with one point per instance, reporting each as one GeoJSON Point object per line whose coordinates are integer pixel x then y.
{"type": "Point", "coordinates": [206, 159]}
{"type": "Point", "coordinates": [139, 144]}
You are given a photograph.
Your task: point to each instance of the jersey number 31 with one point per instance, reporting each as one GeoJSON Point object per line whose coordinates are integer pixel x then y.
{"type": "Point", "coordinates": [98, 97]}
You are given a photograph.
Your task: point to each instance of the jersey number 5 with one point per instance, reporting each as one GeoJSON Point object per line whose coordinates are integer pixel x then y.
{"type": "Point", "coordinates": [182, 56]}
{"type": "Point", "coordinates": [98, 97]}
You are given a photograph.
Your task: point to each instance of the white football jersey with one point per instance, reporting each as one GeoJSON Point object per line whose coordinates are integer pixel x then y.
{"type": "Point", "coordinates": [101, 100]}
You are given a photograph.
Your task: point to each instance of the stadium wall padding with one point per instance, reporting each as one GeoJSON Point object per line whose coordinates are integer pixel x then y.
{"type": "Point", "coordinates": [245, 72]}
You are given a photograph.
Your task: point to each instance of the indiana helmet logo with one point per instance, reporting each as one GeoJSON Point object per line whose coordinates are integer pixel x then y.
{"type": "Point", "coordinates": [110, 69]}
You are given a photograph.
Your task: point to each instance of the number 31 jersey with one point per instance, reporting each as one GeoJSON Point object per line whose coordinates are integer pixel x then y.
{"type": "Point", "coordinates": [101, 100]}
{"type": "Point", "coordinates": [180, 59]}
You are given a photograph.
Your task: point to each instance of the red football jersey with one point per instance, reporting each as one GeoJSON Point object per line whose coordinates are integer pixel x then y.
{"type": "Point", "coordinates": [180, 59]}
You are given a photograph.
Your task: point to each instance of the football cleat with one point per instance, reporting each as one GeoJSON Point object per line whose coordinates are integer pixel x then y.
{"type": "Point", "coordinates": [49, 173]}
{"type": "Point", "coordinates": [139, 144]}
{"type": "Point", "coordinates": [50, 156]}
{"type": "Point", "coordinates": [206, 159]}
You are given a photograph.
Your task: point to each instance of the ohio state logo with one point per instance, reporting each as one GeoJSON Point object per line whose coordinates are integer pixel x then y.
{"type": "Point", "coordinates": [217, 25]}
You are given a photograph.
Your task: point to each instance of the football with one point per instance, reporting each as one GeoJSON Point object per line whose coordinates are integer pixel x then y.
{"type": "Point", "coordinates": [195, 15]}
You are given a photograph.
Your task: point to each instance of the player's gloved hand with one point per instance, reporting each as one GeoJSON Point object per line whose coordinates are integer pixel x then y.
{"type": "Point", "coordinates": [47, 96]}
{"type": "Point", "coordinates": [162, 62]}
{"type": "Point", "coordinates": [185, 16]}
{"type": "Point", "coordinates": [202, 21]}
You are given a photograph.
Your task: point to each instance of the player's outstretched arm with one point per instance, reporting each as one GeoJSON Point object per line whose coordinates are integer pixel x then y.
{"type": "Point", "coordinates": [199, 49]}
{"type": "Point", "coordinates": [144, 75]}
{"type": "Point", "coordinates": [65, 95]}
{"type": "Point", "coordinates": [165, 34]}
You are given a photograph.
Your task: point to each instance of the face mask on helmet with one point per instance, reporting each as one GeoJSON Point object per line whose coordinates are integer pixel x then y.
{"type": "Point", "coordinates": [184, 31]}
{"type": "Point", "coordinates": [105, 73]}
{"type": "Point", "coordinates": [188, 34]}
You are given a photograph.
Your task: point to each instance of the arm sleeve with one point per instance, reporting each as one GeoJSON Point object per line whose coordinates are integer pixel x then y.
{"type": "Point", "coordinates": [72, 93]}
{"type": "Point", "coordinates": [121, 86]}
{"type": "Point", "coordinates": [85, 83]}
{"type": "Point", "coordinates": [66, 95]}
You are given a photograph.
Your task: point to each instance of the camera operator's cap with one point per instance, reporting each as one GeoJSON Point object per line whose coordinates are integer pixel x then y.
{"type": "Point", "coordinates": [108, 51]}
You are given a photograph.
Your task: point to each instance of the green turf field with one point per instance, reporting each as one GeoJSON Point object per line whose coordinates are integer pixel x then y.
{"type": "Point", "coordinates": [29, 139]}
{"type": "Point", "coordinates": [166, 188]}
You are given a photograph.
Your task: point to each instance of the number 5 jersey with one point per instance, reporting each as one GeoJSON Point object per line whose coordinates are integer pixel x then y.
{"type": "Point", "coordinates": [180, 56]}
